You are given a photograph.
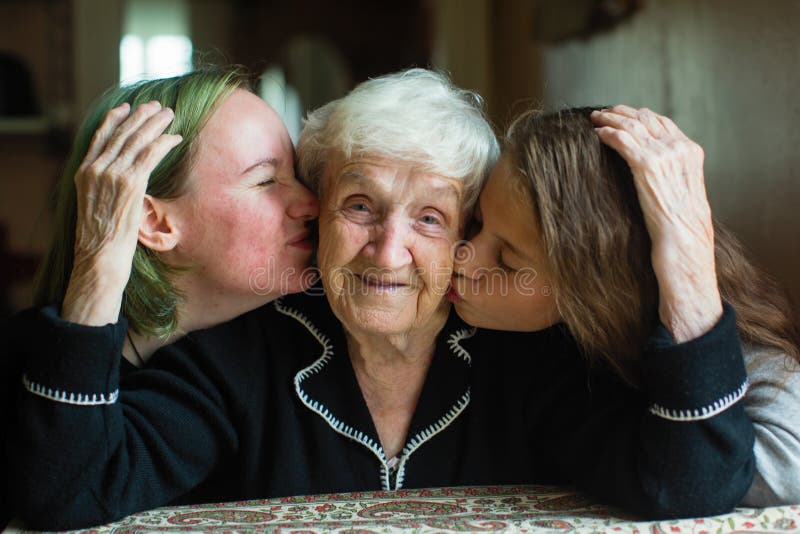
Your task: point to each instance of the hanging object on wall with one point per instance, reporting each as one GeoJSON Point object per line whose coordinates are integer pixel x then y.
{"type": "Point", "coordinates": [556, 21]}
{"type": "Point", "coordinates": [17, 95]}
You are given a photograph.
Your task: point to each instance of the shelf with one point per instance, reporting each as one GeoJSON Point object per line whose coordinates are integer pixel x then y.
{"type": "Point", "coordinates": [35, 125]}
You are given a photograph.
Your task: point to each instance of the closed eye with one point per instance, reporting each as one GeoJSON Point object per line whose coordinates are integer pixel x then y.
{"type": "Point", "coordinates": [503, 265]}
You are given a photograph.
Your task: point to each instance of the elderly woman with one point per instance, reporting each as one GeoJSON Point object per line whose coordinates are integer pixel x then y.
{"type": "Point", "coordinates": [619, 247]}
{"type": "Point", "coordinates": [376, 385]}
{"type": "Point", "coordinates": [169, 231]}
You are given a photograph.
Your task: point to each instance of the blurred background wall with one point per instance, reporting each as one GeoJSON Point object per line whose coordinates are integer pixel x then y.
{"type": "Point", "coordinates": [725, 70]}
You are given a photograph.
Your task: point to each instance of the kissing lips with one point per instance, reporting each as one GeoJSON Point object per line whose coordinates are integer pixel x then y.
{"type": "Point", "coordinates": [301, 241]}
{"type": "Point", "coordinates": [453, 296]}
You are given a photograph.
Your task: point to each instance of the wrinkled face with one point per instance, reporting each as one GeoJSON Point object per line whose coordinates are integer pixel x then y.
{"type": "Point", "coordinates": [244, 217]}
{"type": "Point", "coordinates": [387, 231]}
{"type": "Point", "coordinates": [502, 278]}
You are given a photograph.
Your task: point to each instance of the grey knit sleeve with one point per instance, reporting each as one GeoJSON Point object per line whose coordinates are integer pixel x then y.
{"type": "Point", "coordinates": [773, 404]}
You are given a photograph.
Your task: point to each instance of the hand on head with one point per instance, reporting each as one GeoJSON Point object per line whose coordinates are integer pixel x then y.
{"type": "Point", "coordinates": [110, 185]}
{"type": "Point", "coordinates": [667, 170]}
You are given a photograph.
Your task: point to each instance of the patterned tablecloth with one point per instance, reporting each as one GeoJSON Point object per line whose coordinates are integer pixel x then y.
{"type": "Point", "coordinates": [473, 509]}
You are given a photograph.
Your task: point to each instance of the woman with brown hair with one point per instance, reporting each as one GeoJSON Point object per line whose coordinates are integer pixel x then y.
{"type": "Point", "coordinates": [608, 240]}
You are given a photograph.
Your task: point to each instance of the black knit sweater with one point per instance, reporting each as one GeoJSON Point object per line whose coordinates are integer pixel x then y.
{"type": "Point", "coordinates": [268, 405]}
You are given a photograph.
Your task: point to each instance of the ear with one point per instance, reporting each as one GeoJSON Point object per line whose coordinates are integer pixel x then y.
{"type": "Point", "coordinates": [157, 230]}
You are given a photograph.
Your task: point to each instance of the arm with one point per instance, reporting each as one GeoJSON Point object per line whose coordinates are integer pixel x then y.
{"type": "Point", "coordinates": [773, 403]}
{"type": "Point", "coordinates": [110, 187]}
{"type": "Point", "coordinates": [9, 369]}
{"type": "Point", "coordinates": [85, 452]}
{"type": "Point", "coordinates": [667, 170]}
{"type": "Point", "coordinates": [681, 449]}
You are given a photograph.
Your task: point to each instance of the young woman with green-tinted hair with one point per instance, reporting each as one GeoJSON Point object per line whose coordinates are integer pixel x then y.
{"type": "Point", "coordinates": [153, 174]}
{"type": "Point", "coordinates": [178, 209]}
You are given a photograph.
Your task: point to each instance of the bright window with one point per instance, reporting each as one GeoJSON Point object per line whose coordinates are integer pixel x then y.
{"type": "Point", "coordinates": [155, 42]}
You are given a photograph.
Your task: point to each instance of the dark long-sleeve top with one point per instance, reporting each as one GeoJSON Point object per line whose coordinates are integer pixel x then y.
{"type": "Point", "coordinates": [268, 405]}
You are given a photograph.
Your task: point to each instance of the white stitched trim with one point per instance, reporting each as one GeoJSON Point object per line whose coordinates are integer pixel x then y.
{"type": "Point", "coordinates": [348, 431]}
{"type": "Point", "coordinates": [424, 435]}
{"type": "Point", "coordinates": [454, 342]}
{"type": "Point", "coordinates": [706, 412]}
{"type": "Point", "coordinates": [319, 409]}
{"type": "Point", "coordinates": [78, 399]}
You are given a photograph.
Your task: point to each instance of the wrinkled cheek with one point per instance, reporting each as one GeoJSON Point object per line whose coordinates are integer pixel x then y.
{"type": "Point", "coordinates": [440, 278]}
{"type": "Point", "coordinates": [339, 244]}
{"type": "Point", "coordinates": [437, 273]}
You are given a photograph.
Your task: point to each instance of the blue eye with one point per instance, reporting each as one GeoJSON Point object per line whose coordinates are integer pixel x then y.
{"type": "Point", "coordinates": [359, 206]}
{"type": "Point", "coordinates": [429, 219]}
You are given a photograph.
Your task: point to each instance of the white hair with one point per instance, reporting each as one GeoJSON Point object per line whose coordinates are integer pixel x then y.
{"type": "Point", "coordinates": [416, 115]}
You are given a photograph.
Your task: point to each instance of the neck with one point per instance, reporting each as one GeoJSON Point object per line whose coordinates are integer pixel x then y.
{"type": "Point", "coordinates": [389, 365]}
{"type": "Point", "coordinates": [138, 348]}
{"type": "Point", "coordinates": [207, 304]}
{"type": "Point", "coordinates": [391, 373]}
{"type": "Point", "coordinates": [200, 309]}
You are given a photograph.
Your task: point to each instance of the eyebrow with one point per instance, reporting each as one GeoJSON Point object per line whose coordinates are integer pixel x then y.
{"type": "Point", "coordinates": [354, 177]}
{"type": "Point", "coordinates": [358, 178]}
{"type": "Point", "coordinates": [264, 162]}
{"type": "Point", "coordinates": [514, 249]}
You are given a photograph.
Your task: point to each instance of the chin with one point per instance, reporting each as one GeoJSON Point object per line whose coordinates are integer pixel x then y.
{"type": "Point", "coordinates": [464, 313]}
{"type": "Point", "coordinates": [377, 322]}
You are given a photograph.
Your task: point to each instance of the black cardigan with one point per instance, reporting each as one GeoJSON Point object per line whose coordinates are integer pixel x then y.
{"type": "Point", "coordinates": [268, 405]}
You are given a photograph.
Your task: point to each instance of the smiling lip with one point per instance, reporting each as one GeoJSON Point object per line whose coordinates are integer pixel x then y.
{"type": "Point", "coordinates": [301, 241]}
{"type": "Point", "coordinates": [373, 282]}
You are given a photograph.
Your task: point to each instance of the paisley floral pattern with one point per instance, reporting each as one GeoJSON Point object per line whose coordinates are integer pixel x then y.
{"type": "Point", "coordinates": [469, 509]}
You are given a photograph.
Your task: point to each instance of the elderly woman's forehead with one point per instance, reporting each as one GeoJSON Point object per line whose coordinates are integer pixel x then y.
{"type": "Point", "coordinates": [388, 173]}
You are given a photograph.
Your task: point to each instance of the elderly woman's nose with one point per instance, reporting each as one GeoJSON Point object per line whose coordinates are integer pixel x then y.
{"type": "Point", "coordinates": [303, 204]}
{"type": "Point", "coordinates": [391, 247]}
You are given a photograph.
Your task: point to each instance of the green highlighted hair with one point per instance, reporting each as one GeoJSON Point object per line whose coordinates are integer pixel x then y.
{"type": "Point", "coordinates": [151, 299]}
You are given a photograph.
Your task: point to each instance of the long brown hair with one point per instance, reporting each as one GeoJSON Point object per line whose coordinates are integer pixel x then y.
{"type": "Point", "coordinates": [599, 250]}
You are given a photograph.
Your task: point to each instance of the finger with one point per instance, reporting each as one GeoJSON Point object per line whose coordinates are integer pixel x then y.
{"type": "Point", "coordinates": [622, 109]}
{"type": "Point", "coordinates": [633, 126]}
{"type": "Point", "coordinates": [121, 134]}
{"type": "Point", "coordinates": [671, 127]}
{"type": "Point", "coordinates": [651, 121]}
{"type": "Point", "coordinates": [621, 141]}
{"type": "Point", "coordinates": [142, 137]}
{"type": "Point", "coordinates": [644, 115]}
{"type": "Point", "coordinates": [113, 118]}
{"type": "Point", "coordinates": [151, 156]}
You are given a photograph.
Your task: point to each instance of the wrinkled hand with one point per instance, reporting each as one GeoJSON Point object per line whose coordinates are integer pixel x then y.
{"type": "Point", "coordinates": [111, 183]}
{"type": "Point", "coordinates": [667, 170]}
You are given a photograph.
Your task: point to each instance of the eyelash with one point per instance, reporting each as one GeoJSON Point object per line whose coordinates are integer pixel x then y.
{"type": "Point", "coordinates": [268, 181]}
{"type": "Point", "coordinates": [436, 220]}
{"type": "Point", "coordinates": [503, 265]}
